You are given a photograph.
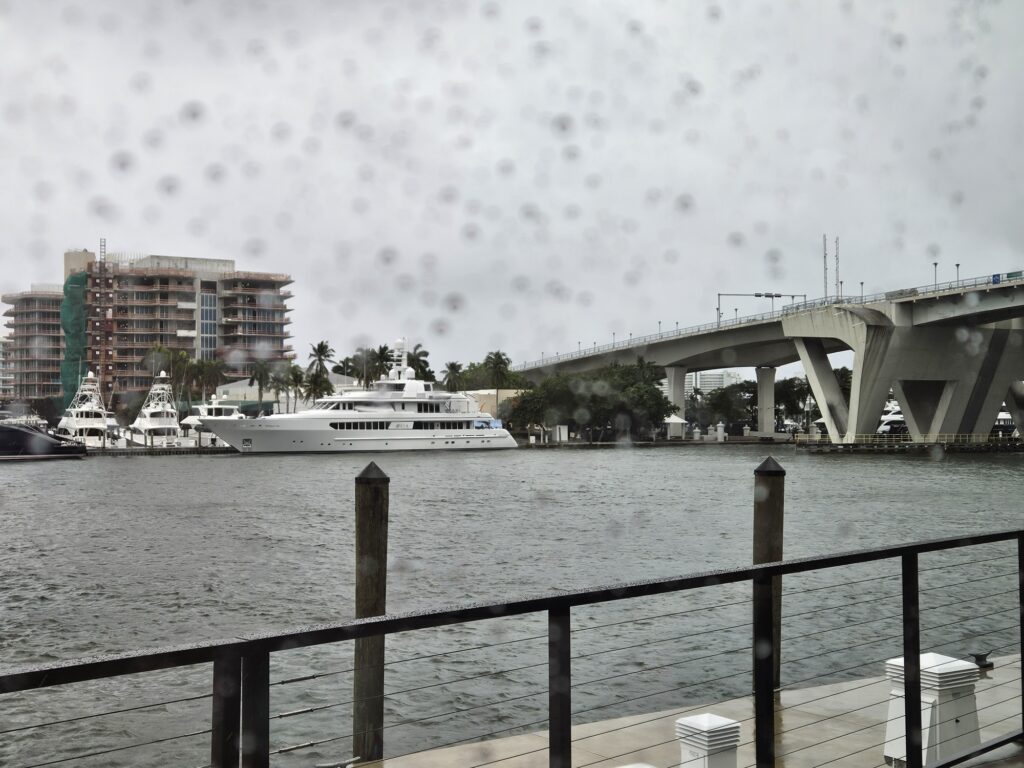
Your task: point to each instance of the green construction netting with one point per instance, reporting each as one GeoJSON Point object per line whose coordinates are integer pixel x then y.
{"type": "Point", "coordinates": [72, 321]}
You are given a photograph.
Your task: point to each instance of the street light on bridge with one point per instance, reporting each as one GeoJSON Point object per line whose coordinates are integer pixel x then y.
{"type": "Point", "coordinates": [935, 277]}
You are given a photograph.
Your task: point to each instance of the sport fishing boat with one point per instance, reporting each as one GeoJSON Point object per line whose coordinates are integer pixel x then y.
{"type": "Point", "coordinates": [400, 413]}
{"type": "Point", "coordinates": [86, 419]}
{"type": "Point", "coordinates": [157, 422]}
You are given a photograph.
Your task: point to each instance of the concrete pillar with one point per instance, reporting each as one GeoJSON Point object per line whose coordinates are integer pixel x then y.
{"type": "Point", "coordinates": [707, 741]}
{"type": "Point", "coordinates": [826, 389]}
{"type": "Point", "coordinates": [926, 405]}
{"type": "Point", "coordinates": [676, 378]}
{"type": "Point", "coordinates": [765, 400]}
{"type": "Point", "coordinates": [720, 432]}
{"type": "Point", "coordinates": [1015, 404]}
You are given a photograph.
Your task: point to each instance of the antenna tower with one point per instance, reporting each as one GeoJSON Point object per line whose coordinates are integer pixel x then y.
{"type": "Point", "coordinates": [824, 248]}
{"type": "Point", "coordinates": [837, 266]}
{"type": "Point", "coordinates": [103, 249]}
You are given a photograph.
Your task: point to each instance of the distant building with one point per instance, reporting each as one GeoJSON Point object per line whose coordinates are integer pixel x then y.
{"type": "Point", "coordinates": [6, 377]}
{"type": "Point", "coordinates": [120, 307]}
{"type": "Point", "coordinates": [35, 347]}
{"type": "Point", "coordinates": [705, 381]}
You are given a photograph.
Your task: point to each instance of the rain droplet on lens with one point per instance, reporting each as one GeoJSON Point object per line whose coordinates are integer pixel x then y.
{"type": "Point", "coordinates": [192, 112]}
{"type": "Point", "coordinates": [122, 161]}
{"type": "Point", "coordinates": [534, 25]}
{"type": "Point", "coordinates": [671, 256]}
{"type": "Point", "coordinates": [521, 283]}
{"type": "Point", "coordinates": [454, 302]}
{"type": "Point", "coordinates": [281, 131]}
{"type": "Point", "coordinates": [736, 239]}
{"type": "Point", "coordinates": [506, 167]}
{"type": "Point", "coordinates": [215, 172]}
{"type": "Point", "coordinates": [102, 208]}
{"type": "Point", "coordinates": [471, 231]}
{"type": "Point", "coordinates": [405, 282]}
{"type": "Point", "coordinates": [387, 256]}
{"type": "Point", "coordinates": [255, 247]}
{"type": "Point", "coordinates": [684, 203]}
{"type": "Point", "coordinates": [562, 124]}
{"type": "Point", "coordinates": [345, 119]}
{"type": "Point", "coordinates": [933, 249]}
{"type": "Point", "coordinates": [571, 152]}
{"type": "Point", "coordinates": [154, 139]}
{"type": "Point", "coordinates": [168, 185]}
{"type": "Point", "coordinates": [448, 194]}
{"type": "Point", "coordinates": [439, 326]}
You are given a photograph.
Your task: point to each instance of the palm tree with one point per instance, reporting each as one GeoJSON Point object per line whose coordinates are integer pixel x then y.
{"type": "Point", "coordinates": [260, 376]}
{"type": "Point", "coordinates": [207, 374]}
{"type": "Point", "coordinates": [346, 367]}
{"type": "Point", "coordinates": [418, 362]}
{"type": "Point", "coordinates": [279, 383]}
{"type": "Point", "coordinates": [320, 354]}
{"type": "Point", "coordinates": [453, 376]}
{"type": "Point", "coordinates": [496, 364]}
{"type": "Point", "coordinates": [379, 362]}
{"type": "Point", "coordinates": [296, 378]}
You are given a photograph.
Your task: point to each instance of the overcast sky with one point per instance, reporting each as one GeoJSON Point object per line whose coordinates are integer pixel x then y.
{"type": "Point", "coordinates": [516, 175]}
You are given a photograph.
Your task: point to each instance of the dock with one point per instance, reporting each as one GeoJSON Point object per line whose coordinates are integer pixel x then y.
{"type": "Point", "coordinates": [206, 450]}
{"type": "Point", "coordinates": [840, 724]}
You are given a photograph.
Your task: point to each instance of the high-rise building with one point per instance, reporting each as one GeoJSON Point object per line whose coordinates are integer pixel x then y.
{"type": "Point", "coordinates": [120, 307]}
{"type": "Point", "coordinates": [705, 381]}
{"type": "Point", "coordinates": [6, 377]}
{"type": "Point", "coordinates": [35, 346]}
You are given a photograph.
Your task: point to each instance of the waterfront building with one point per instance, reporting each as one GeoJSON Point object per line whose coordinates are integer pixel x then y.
{"type": "Point", "coordinates": [118, 307]}
{"type": "Point", "coordinates": [6, 377]}
{"type": "Point", "coordinates": [35, 346]}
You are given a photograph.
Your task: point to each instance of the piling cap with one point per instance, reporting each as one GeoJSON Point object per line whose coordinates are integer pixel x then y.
{"type": "Point", "coordinates": [769, 467]}
{"type": "Point", "coordinates": [372, 474]}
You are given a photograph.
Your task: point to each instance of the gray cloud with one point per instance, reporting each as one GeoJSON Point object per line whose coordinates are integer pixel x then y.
{"type": "Point", "coordinates": [526, 175]}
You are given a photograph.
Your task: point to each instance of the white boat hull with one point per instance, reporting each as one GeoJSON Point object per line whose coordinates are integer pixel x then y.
{"type": "Point", "coordinates": [259, 436]}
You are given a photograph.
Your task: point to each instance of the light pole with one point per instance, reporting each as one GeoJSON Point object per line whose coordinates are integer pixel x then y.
{"type": "Point", "coordinates": [935, 267]}
{"type": "Point", "coordinates": [736, 313]}
{"type": "Point", "coordinates": [613, 338]}
{"type": "Point", "coordinates": [659, 327]}
{"type": "Point", "coordinates": [840, 289]}
{"type": "Point", "coordinates": [862, 291]}
{"type": "Point", "coordinates": [677, 326]}
{"type": "Point", "coordinates": [578, 344]}
{"type": "Point", "coordinates": [958, 273]}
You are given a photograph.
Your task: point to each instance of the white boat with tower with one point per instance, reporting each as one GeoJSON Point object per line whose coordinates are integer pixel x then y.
{"type": "Point", "coordinates": [157, 421]}
{"type": "Point", "coordinates": [400, 413]}
{"type": "Point", "coordinates": [86, 419]}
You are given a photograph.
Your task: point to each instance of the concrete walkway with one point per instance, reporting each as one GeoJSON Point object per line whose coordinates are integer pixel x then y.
{"type": "Point", "coordinates": [841, 725]}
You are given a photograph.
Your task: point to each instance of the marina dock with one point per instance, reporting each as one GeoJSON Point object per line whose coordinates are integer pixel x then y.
{"type": "Point", "coordinates": [842, 725]}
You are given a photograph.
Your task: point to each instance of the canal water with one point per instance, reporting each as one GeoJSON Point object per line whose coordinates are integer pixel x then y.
{"type": "Point", "coordinates": [109, 555]}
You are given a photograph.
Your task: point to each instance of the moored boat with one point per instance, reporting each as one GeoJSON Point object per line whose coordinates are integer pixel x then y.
{"type": "Point", "coordinates": [20, 442]}
{"type": "Point", "coordinates": [400, 413]}
{"type": "Point", "coordinates": [87, 419]}
{"type": "Point", "coordinates": [157, 420]}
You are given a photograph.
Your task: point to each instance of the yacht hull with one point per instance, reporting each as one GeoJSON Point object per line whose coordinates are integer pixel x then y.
{"type": "Point", "coordinates": [258, 436]}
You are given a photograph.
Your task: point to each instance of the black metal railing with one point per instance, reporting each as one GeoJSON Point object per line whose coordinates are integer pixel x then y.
{"type": "Point", "coordinates": [239, 729]}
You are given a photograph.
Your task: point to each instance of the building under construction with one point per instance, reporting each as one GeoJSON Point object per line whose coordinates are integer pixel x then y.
{"type": "Point", "coordinates": [117, 308]}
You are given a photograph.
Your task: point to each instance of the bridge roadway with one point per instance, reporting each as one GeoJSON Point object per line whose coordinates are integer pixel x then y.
{"type": "Point", "coordinates": [951, 352]}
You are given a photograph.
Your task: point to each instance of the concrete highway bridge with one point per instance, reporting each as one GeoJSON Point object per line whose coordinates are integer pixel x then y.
{"type": "Point", "coordinates": [951, 352]}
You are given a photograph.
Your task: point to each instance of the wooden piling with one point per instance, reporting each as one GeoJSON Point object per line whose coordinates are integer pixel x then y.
{"type": "Point", "coordinates": [769, 513]}
{"type": "Point", "coordinates": [371, 591]}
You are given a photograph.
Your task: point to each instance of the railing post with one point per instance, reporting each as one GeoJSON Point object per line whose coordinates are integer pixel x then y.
{"type": "Point", "coordinates": [256, 710]}
{"type": "Point", "coordinates": [769, 516]}
{"type": "Point", "coordinates": [1020, 599]}
{"type": "Point", "coordinates": [226, 711]}
{"type": "Point", "coordinates": [764, 671]}
{"type": "Point", "coordinates": [559, 689]}
{"type": "Point", "coordinates": [911, 662]}
{"type": "Point", "coordinates": [371, 597]}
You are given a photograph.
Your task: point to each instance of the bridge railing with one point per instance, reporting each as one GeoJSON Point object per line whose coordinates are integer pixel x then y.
{"type": "Point", "coordinates": [932, 289]}
{"type": "Point", "coordinates": [905, 438]}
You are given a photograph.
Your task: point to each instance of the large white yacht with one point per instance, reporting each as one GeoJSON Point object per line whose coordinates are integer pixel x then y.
{"type": "Point", "coordinates": [157, 421]}
{"type": "Point", "coordinates": [400, 413]}
{"type": "Point", "coordinates": [214, 408]}
{"type": "Point", "coordinates": [86, 419]}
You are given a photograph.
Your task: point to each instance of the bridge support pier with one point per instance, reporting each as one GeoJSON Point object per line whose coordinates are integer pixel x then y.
{"type": "Point", "coordinates": [676, 378]}
{"type": "Point", "coordinates": [765, 400]}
